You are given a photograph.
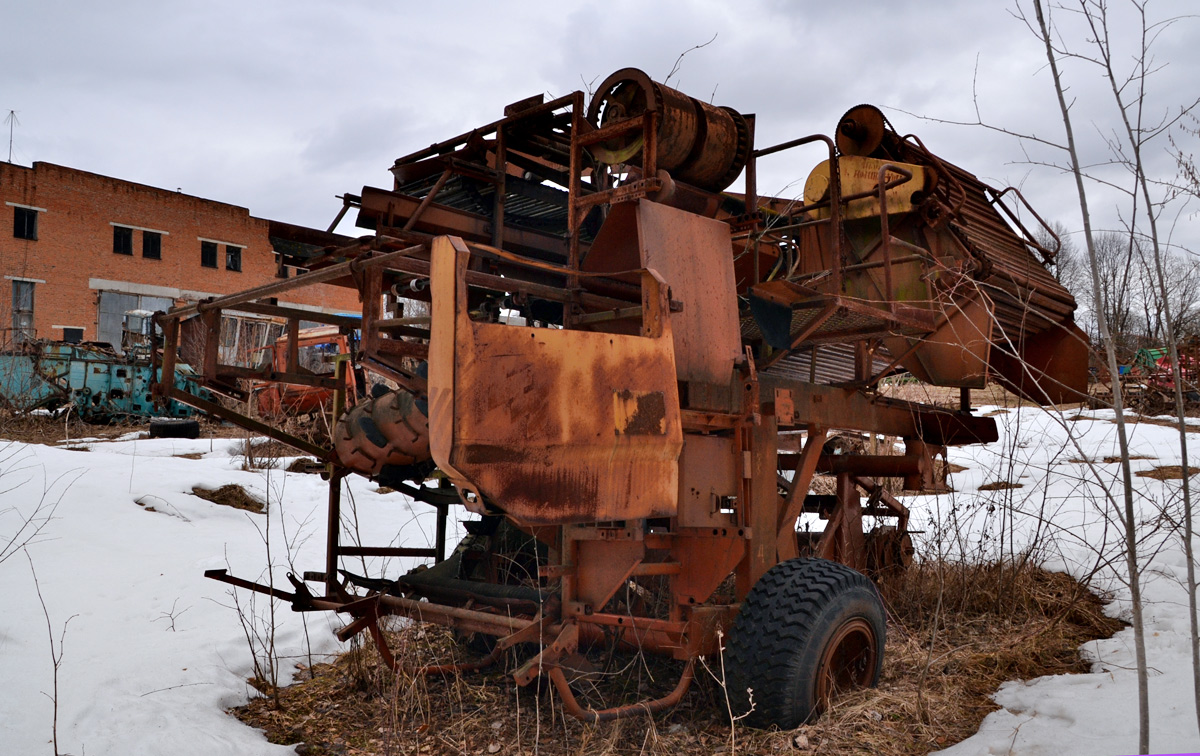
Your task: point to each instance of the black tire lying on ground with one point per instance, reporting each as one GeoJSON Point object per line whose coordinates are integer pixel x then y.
{"type": "Point", "coordinates": [163, 427]}
{"type": "Point", "coordinates": [808, 629]}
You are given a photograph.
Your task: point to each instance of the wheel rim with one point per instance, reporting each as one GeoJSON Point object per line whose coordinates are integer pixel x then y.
{"type": "Point", "coordinates": [848, 662]}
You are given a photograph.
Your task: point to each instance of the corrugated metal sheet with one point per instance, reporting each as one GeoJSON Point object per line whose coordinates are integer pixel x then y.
{"type": "Point", "coordinates": [829, 363]}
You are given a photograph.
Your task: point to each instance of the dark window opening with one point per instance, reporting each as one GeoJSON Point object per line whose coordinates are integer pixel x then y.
{"type": "Point", "coordinates": [152, 245]}
{"type": "Point", "coordinates": [72, 335]}
{"type": "Point", "coordinates": [122, 240]}
{"type": "Point", "coordinates": [25, 223]}
{"type": "Point", "coordinates": [233, 258]}
{"type": "Point", "coordinates": [22, 310]}
{"type": "Point", "coordinates": [208, 254]}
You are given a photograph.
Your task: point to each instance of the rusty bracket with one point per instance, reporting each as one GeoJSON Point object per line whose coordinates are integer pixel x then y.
{"type": "Point", "coordinates": [566, 643]}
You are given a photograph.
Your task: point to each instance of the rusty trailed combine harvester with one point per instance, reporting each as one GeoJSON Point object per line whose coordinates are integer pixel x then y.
{"type": "Point", "coordinates": [684, 355]}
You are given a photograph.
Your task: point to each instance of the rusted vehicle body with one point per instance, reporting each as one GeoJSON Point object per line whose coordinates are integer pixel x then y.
{"type": "Point", "coordinates": [658, 413]}
{"type": "Point", "coordinates": [317, 349]}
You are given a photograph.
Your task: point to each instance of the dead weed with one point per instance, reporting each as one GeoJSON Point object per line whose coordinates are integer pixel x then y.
{"type": "Point", "coordinates": [1000, 485]}
{"type": "Point", "coordinates": [231, 495]}
{"type": "Point", "coordinates": [955, 633]}
{"type": "Point", "coordinates": [1167, 472]}
{"type": "Point", "coordinates": [305, 465]}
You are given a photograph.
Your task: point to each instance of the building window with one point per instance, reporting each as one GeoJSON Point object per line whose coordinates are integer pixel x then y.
{"type": "Point", "coordinates": [72, 335]}
{"type": "Point", "coordinates": [152, 245]}
{"type": "Point", "coordinates": [25, 223]}
{"type": "Point", "coordinates": [22, 310]}
{"type": "Point", "coordinates": [114, 306]}
{"type": "Point", "coordinates": [208, 254]}
{"type": "Point", "coordinates": [122, 240]}
{"type": "Point", "coordinates": [233, 258]}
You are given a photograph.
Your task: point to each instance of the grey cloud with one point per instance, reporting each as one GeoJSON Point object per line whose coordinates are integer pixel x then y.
{"type": "Point", "coordinates": [280, 105]}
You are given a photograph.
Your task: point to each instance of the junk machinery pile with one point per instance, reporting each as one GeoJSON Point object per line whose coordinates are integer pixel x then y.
{"type": "Point", "coordinates": [631, 376]}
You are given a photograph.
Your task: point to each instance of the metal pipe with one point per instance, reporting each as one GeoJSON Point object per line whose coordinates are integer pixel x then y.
{"type": "Point", "coordinates": [305, 279]}
{"type": "Point", "coordinates": [572, 707]}
{"type": "Point", "coordinates": [448, 615]}
{"type": "Point", "coordinates": [425, 202]}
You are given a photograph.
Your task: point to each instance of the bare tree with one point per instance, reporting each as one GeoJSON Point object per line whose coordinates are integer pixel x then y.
{"type": "Point", "coordinates": [1136, 301]}
{"type": "Point", "coordinates": [1129, 94]}
{"type": "Point", "coordinates": [1171, 299]}
{"type": "Point", "coordinates": [1129, 521]}
{"type": "Point", "coordinates": [1120, 289]}
{"type": "Point", "coordinates": [24, 525]}
{"type": "Point", "coordinates": [1068, 265]}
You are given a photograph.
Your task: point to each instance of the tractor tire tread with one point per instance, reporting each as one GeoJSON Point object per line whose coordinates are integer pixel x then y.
{"type": "Point", "coordinates": [776, 621]}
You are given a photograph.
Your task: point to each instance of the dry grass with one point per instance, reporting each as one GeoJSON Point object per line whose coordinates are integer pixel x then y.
{"type": "Point", "coordinates": [43, 429]}
{"type": "Point", "coordinates": [944, 396]}
{"type": "Point", "coordinates": [231, 495]}
{"type": "Point", "coordinates": [264, 453]}
{"type": "Point", "coordinates": [1000, 485]}
{"type": "Point", "coordinates": [306, 465]}
{"type": "Point", "coordinates": [1132, 457]}
{"type": "Point", "coordinates": [1192, 427]}
{"type": "Point", "coordinates": [1167, 472]}
{"type": "Point", "coordinates": [955, 633]}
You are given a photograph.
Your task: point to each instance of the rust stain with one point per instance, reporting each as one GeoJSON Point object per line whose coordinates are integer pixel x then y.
{"type": "Point", "coordinates": [640, 413]}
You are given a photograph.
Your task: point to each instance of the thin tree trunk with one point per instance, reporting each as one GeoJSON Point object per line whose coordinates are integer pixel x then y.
{"type": "Point", "coordinates": [1131, 558]}
{"type": "Point", "coordinates": [1168, 317]}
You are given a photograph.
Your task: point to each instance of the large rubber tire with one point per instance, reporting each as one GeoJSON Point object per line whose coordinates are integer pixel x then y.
{"type": "Point", "coordinates": [808, 629]}
{"type": "Point", "coordinates": [161, 427]}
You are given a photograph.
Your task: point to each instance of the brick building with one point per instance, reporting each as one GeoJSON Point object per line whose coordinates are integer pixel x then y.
{"type": "Point", "coordinates": [84, 249]}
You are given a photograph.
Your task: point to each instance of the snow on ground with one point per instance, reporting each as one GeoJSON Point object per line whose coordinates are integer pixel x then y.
{"type": "Point", "coordinates": [154, 653]}
{"type": "Point", "coordinates": [1064, 514]}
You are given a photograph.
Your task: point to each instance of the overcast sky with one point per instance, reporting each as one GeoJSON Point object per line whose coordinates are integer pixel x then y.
{"type": "Point", "coordinates": [280, 106]}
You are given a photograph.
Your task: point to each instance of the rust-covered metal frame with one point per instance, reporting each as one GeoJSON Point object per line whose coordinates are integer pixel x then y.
{"type": "Point", "coordinates": [606, 555]}
{"type": "Point", "coordinates": [767, 427]}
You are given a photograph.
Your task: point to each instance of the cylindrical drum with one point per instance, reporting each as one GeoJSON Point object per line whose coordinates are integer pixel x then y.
{"type": "Point", "coordinates": [699, 144]}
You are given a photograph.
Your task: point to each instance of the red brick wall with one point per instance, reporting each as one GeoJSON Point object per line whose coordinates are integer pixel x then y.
{"type": "Point", "coordinates": [75, 245]}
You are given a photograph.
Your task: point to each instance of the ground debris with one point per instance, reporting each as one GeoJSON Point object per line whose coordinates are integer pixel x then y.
{"type": "Point", "coordinates": [231, 495]}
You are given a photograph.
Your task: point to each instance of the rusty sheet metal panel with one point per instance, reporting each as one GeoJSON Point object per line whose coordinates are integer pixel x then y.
{"type": "Point", "coordinates": [553, 426]}
{"type": "Point", "coordinates": [708, 478]}
{"type": "Point", "coordinates": [193, 342]}
{"type": "Point", "coordinates": [1049, 368]}
{"type": "Point", "coordinates": [695, 257]}
{"type": "Point", "coordinates": [957, 352]}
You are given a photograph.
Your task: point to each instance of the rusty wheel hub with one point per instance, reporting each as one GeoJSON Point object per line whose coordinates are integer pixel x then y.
{"type": "Point", "coordinates": [848, 662]}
